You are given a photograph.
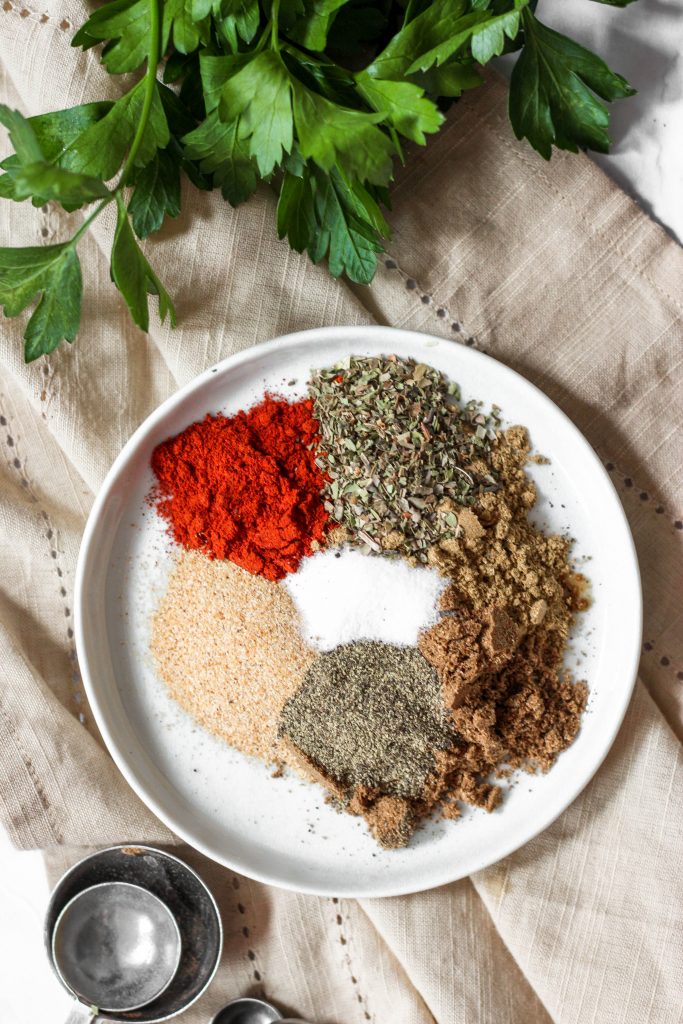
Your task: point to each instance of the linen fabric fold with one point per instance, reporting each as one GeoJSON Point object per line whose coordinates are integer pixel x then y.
{"type": "Point", "coordinates": [549, 267]}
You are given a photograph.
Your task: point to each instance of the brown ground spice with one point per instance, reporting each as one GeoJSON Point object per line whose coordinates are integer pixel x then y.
{"type": "Point", "coordinates": [228, 646]}
{"type": "Point", "coordinates": [502, 559]}
{"type": "Point", "coordinates": [500, 646]}
{"type": "Point", "coordinates": [498, 651]}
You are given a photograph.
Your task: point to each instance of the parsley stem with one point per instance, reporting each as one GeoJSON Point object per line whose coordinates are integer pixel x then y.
{"type": "Point", "coordinates": [274, 26]}
{"type": "Point", "coordinates": [88, 220]}
{"type": "Point", "coordinates": [150, 86]}
{"type": "Point", "coordinates": [263, 38]}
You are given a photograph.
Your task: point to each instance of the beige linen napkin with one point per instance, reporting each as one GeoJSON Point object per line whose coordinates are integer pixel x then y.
{"type": "Point", "coordinates": [548, 267]}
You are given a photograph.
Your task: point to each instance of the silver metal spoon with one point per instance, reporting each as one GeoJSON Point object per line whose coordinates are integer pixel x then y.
{"type": "Point", "coordinates": [116, 946]}
{"type": "Point", "coordinates": [251, 1011]}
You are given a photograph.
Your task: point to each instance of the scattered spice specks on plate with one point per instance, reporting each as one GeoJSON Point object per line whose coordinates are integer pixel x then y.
{"type": "Point", "coordinates": [363, 597]}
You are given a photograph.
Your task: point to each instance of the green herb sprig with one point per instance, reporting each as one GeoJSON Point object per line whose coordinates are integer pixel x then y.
{"type": "Point", "coordinates": [318, 98]}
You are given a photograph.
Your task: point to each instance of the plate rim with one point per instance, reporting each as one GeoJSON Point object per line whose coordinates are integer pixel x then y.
{"type": "Point", "coordinates": [312, 336]}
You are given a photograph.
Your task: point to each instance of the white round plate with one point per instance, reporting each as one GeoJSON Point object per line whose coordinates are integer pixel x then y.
{"type": "Point", "coordinates": [228, 806]}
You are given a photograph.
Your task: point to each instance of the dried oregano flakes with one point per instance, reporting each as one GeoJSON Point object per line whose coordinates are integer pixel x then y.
{"type": "Point", "coordinates": [400, 451]}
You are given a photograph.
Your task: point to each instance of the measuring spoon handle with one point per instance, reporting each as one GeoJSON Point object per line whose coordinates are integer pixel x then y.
{"type": "Point", "coordinates": [81, 1014]}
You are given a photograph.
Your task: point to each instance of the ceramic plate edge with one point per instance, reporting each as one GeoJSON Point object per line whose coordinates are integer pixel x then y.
{"type": "Point", "coordinates": [310, 337]}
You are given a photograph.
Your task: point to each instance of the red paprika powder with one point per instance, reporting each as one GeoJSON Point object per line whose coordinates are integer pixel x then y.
{"type": "Point", "coordinates": [246, 487]}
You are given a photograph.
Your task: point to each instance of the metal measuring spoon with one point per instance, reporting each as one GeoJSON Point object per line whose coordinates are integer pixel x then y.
{"type": "Point", "coordinates": [116, 946]}
{"type": "Point", "coordinates": [251, 1011]}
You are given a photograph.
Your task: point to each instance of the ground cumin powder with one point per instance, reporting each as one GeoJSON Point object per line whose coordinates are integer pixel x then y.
{"type": "Point", "coordinates": [498, 651]}
{"type": "Point", "coordinates": [500, 645]}
{"type": "Point", "coordinates": [229, 647]}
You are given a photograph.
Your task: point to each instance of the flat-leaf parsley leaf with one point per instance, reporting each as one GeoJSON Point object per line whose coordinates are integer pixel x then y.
{"type": "Point", "coordinates": [318, 99]}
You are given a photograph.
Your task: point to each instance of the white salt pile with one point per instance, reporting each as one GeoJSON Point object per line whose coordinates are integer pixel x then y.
{"type": "Point", "coordinates": [343, 595]}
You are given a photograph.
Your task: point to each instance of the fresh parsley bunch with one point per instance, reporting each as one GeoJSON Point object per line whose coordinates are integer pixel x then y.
{"type": "Point", "coordinates": [316, 97]}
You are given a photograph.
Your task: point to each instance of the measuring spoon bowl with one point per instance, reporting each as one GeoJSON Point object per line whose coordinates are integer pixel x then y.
{"type": "Point", "coordinates": [116, 946]}
{"type": "Point", "coordinates": [185, 895]}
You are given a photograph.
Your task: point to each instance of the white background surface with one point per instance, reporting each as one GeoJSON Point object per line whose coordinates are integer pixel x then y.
{"type": "Point", "coordinates": [644, 42]}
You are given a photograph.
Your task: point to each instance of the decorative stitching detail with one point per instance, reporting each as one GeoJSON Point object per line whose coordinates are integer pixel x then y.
{"type": "Point", "coordinates": [15, 460]}
{"type": "Point", "coordinates": [664, 659]}
{"type": "Point", "coordinates": [629, 484]}
{"type": "Point", "coordinates": [49, 223]}
{"type": "Point", "coordinates": [50, 386]}
{"type": "Point", "coordinates": [24, 12]}
{"type": "Point", "coordinates": [344, 936]}
{"type": "Point", "coordinates": [440, 310]}
{"type": "Point", "coordinates": [501, 129]}
{"type": "Point", "coordinates": [627, 481]}
{"type": "Point", "coordinates": [254, 959]}
{"type": "Point", "coordinates": [32, 774]}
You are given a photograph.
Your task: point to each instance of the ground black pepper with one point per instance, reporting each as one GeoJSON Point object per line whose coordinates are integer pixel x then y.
{"type": "Point", "coordinates": [370, 714]}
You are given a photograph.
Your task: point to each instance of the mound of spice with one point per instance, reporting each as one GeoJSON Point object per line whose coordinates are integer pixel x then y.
{"type": "Point", "coordinates": [342, 595]}
{"type": "Point", "coordinates": [498, 652]}
{"type": "Point", "coordinates": [246, 487]}
{"type": "Point", "coordinates": [228, 646]}
{"type": "Point", "coordinates": [367, 722]}
{"type": "Point", "coordinates": [499, 647]}
{"type": "Point", "coordinates": [399, 453]}
{"type": "Point", "coordinates": [392, 730]}
{"type": "Point", "coordinates": [501, 558]}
